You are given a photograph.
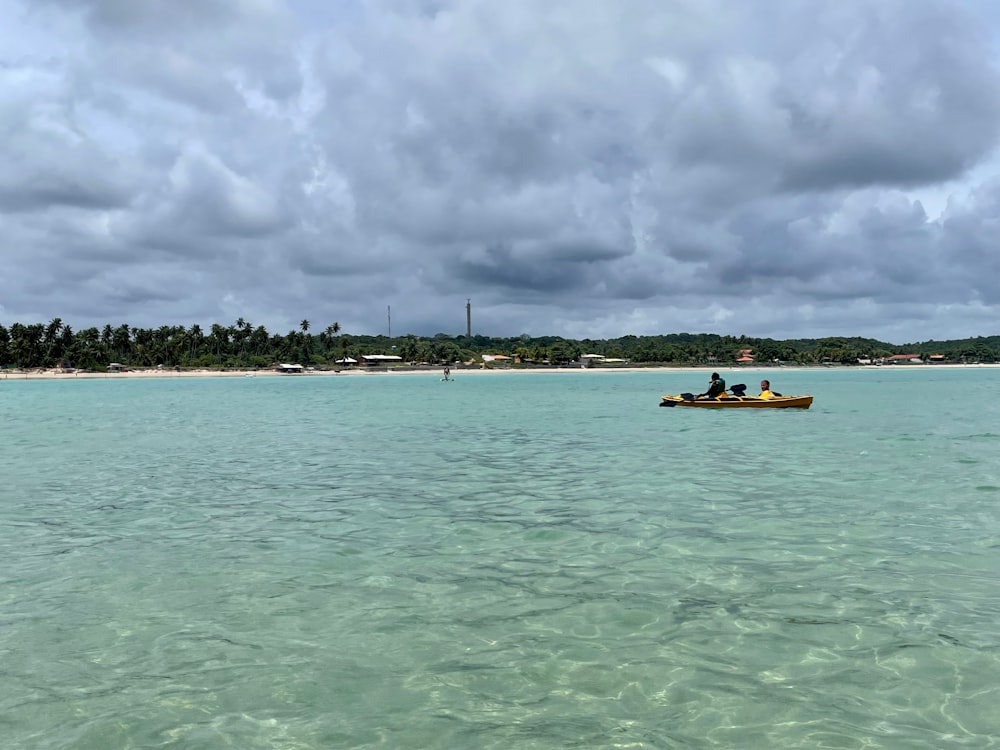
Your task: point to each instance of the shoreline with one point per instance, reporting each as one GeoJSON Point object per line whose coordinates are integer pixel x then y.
{"type": "Point", "coordinates": [60, 374]}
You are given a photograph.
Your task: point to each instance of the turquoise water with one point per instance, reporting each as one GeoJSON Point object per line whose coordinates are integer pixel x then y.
{"type": "Point", "coordinates": [505, 561]}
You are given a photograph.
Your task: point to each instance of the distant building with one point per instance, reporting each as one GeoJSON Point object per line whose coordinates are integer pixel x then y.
{"type": "Point", "coordinates": [371, 360]}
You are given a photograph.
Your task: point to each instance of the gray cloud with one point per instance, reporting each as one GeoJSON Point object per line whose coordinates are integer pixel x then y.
{"type": "Point", "coordinates": [585, 169]}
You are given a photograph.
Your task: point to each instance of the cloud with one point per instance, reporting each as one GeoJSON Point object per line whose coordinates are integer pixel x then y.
{"type": "Point", "coordinates": [585, 169]}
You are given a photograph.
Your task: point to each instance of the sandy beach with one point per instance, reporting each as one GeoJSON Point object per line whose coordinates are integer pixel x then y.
{"type": "Point", "coordinates": [729, 372]}
{"type": "Point", "coordinates": [60, 374]}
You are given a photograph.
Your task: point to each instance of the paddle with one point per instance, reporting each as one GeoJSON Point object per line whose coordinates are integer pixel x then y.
{"type": "Point", "coordinates": [736, 390]}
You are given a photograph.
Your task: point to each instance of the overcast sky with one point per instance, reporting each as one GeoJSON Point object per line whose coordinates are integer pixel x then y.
{"type": "Point", "coordinates": [583, 168]}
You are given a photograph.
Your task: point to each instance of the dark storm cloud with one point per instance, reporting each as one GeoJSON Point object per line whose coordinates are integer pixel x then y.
{"type": "Point", "coordinates": [847, 95]}
{"type": "Point", "coordinates": [521, 268]}
{"type": "Point", "coordinates": [585, 169]}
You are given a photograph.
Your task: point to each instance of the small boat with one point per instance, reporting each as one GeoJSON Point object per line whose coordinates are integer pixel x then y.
{"type": "Point", "coordinates": [739, 402]}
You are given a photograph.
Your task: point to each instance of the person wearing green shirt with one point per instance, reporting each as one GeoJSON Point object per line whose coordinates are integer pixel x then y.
{"type": "Point", "coordinates": [716, 387]}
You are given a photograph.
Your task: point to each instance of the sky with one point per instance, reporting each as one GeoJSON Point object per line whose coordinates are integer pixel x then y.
{"type": "Point", "coordinates": [576, 168]}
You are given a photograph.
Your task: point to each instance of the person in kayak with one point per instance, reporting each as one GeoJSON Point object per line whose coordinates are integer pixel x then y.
{"type": "Point", "coordinates": [765, 390]}
{"type": "Point", "coordinates": [716, 387]}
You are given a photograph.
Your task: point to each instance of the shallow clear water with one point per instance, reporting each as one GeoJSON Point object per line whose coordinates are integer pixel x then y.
{"type": "Point", "coordinates": [504, 561]}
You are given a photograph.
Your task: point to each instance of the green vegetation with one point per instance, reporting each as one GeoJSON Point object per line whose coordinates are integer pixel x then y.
{"type": "Point", "coordinates": [243, 345]}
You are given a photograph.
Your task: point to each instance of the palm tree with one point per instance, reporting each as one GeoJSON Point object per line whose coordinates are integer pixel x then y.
{"type": "Point", "coordinates": [53, 329]}
{"type": "Point", "coordinates": [4, 343]}
{"type": "Point", "coordinates": [122, 342]}
{"type": "Point", "coordinates": [65, 344]}
{"type": "Point", "coordinates": [241, 334]}
{"type": "Point", "coordinates": [307, 342]}
{"type": "Point", "coordinates": [20, 345]}
{"type": "Point", "coordinates": [195, 334]}
{"type": "Point", "coordinates": [86, 347]}
{"type": "Point", "coordinates": [260, 341]}
{"type": "Point", "coordinates": [327, 337]}
{"type": "Point", "coordinates": [53, 352]}
{"type": "Point", "coordinates": [220, 341]}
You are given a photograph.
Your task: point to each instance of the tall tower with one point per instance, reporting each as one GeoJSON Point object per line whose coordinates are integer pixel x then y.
{"type": "Point", "coordinates": [468, 318]}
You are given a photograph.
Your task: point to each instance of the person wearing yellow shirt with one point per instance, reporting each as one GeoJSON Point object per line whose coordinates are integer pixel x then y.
{"type": "Point", "coordinates": [765, 390]}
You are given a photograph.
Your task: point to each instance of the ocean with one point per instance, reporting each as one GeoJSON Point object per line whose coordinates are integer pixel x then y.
{"type": "Point", "coordinates": [502, 561]}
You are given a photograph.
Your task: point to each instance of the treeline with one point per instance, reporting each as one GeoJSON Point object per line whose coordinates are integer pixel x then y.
{"type": "Point", "coordinates": [243, 345]}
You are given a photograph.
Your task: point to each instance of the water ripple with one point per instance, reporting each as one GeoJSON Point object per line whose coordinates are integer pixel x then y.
{"type": "Point", "coordinates": [512, 562]}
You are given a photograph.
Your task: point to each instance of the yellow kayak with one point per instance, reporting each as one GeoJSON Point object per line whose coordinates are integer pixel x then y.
{"type": "Point", "coordinates": [740, 402]}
